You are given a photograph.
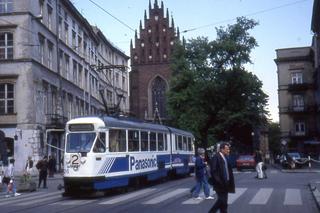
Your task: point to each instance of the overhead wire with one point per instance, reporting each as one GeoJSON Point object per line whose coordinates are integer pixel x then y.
{"type": "Point", "coordinates": [250, 14]}
{"type": "Point", "coordinates": [111, 15]}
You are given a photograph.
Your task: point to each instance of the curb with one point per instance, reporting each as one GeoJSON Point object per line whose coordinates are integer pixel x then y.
{"type": "Point", "coordinates": [316, 194]}
{"type": "Point", "coordinates": [299, 171]}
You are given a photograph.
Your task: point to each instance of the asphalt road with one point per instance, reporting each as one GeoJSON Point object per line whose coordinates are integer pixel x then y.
{"type": "Point", "coordinates": [281, 192]}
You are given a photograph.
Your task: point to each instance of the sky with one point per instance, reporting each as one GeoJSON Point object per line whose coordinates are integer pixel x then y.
{"type": "Point", "coordinates": [282, 24]}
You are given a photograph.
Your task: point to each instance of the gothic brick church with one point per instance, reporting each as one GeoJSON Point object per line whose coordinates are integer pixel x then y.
{"type": "Point", "coordinates": [150, 64]}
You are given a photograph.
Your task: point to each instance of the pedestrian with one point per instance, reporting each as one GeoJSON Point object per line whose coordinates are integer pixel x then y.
{"type": "Point", "coordinates": [52, 165]}
{"type": "Point", "coordinates": [9, 179]}
{"type": "Point", "coordinates": [259, 165]}
{"type": "Point", "coordinates": [223, 180]}
{"type": "Point", "coordinates": [42, 166]}
{"type": "Point", "coordinates": [201, 176]}
{"type": "Point", "coordinates": [29, 165]}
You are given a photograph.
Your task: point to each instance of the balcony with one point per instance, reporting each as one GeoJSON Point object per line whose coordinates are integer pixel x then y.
{"type": "Point", "coordinates": [300, 87]}
{"type": "Point", "coordinates": [305, 109]}
{"type": "Point", "coordinates": [56, 121]}
{"type": "Point", "coordinates": [302, 134]}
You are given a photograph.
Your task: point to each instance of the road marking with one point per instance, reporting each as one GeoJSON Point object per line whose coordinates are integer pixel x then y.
{"type": "Point", "coordinates": [33, 197]}
{"type": "Point", "coordinates": [196, 201]}
{"type": "Point", "coordinates": [261, 197]}
{"type": "Point", "coordinates": [51, 197]}
{"type": "Point", "coordinates": [235, 196]}
{"type": "Point", "coordinates": [127, 196]}
{"type": "Point", "coordinates": [166, 196]}
{"type": "Point", "coordinates": [75, 202]}
{"type": "Point", "coordinates": [292, 197]}
{"type": "Point", "coordinates": [273, 171]}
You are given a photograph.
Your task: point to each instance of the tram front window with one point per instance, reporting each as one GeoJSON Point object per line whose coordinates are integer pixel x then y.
{"type": "Point", "coordinates": [80, 142]}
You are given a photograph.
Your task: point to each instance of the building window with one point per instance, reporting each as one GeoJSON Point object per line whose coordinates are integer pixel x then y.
{"type": "Point", "coordinates": [74, 72]}
{"type": "Point", "coordinates": [60, 27]}
{"type": "Point", "coordinates": [300, 128]}
{"type": "Point", "coordinates": [296, 78]}
{"type": "Point", "coordinates": [6, 98]}
{"type": "Point", "coordinates": [298, 103]}
{"type": "Point", "coordinates": [158, 96]}
{"type": "Point", "coordinates": [66, 33]}
{"type": "Point", "coordinates": [41, 9]}
{"type": "Point", "coordinates": [74, 45]}
{"type": "Point", "coordinates": [67, 68]}
{"type": "Point", "coordinates": [50, 54]}
{"type": "Point", "coordinates": [6, 45]}
{"type": "Point", "coordinates": [41, 48]}
{"type": "Point", "coordinates": [49, 17]}
{"type": "Point", "coordinates": [6, 6]}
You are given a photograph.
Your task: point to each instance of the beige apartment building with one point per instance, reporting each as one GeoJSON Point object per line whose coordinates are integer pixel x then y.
{"type": "Point", "coordinates": [297, 103]}
{"type": "Point", "coordinates": [54, 66]}
{"type": "Point", "coordinates": [299, 93]}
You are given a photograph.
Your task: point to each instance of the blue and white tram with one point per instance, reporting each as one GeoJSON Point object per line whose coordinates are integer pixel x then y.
{"type": "Point", "coordinates": [107, 152]}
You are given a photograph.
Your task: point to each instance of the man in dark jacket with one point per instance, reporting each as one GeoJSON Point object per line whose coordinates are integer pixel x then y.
{"type": "Point", "coordinates": [223, 180]}
{"type": "Point", "coordinates": [42, 166]}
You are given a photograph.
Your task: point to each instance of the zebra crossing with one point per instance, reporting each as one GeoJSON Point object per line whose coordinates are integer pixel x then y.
{"type": "Point", "coordinates": [154, 196]}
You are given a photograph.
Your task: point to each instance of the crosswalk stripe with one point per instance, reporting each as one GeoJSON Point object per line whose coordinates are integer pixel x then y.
{"type": "Point", "coordinates": [261, 197]}
{"type": "Point", "coordinates": [39, 200]}
{"type": "Point", "coordinates": [33, 197]}
{"type": "Point", "coordinates": [273, 171]}
{"type": "Point", "coordinates": [292, 197]}
{"type": "Point", "coordinates": [196, 201]}
{"type": "Point", "coordinates": [127, 196]}
{"type": "Point", "coordinates": [166, 196]}
{"type": "Point", "coordinates": [235, 196]}
{"type": "Point", "coordinates": [75, 202]}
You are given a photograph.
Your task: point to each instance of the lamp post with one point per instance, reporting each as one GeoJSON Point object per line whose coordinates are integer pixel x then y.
{"type": "Point", "coordinates": [253, 141]}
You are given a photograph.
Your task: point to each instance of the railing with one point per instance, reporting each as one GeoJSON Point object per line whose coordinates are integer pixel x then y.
{"type": "Point", "coordinates": [299, 109]}
{"type": "Point", "coordinates": [299, 87]}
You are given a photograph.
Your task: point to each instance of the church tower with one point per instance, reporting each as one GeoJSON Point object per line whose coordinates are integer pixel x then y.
{"type": "Point", "coordinates": [150, 63]}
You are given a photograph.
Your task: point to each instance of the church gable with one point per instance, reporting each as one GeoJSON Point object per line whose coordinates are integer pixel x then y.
{"type": "Point", "coordinates": [156, 38]}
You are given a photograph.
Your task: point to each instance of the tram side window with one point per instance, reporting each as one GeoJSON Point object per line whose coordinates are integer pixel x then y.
{"type": "Point", "coordinates": [179, 142]}
{"type": "Point", "coordinates": [184, 145]}
{"type": "Point", "coordinates": [189, 144]}
{"type": "Point", "coordinates": [176, 141]}
{"type": "Point", "coordinates": [153, 141]}
{"type": "Point", "coordinates": [160, 142]}
{"type": "Point", "coordinates": [165, 142]}
{"type": "Point", "coordinates": [144, 141]}
{"type": "Point", "coordinates": [117, 140]}
{"type": "Point", "coordinates": [133, 141]}
{"type": "Point", "coordinates": [100, 145]}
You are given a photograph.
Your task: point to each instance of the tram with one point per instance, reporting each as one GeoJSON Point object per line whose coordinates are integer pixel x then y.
{"type": "Point", "coordinates": [107, 152]}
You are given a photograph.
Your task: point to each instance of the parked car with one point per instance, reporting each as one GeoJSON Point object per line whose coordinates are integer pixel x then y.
{"type": "Point", "coordinates": [245, 162]}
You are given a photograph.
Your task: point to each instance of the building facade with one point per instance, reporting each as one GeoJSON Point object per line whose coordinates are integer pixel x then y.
{"type": "Point", "coordinates": [297, 102]}
{"type": "Point", "coordinates": [150, 65]}
{"type": "Point", "coordinates": [54, 66]}
{"type": "Point", "coordinates": [299, 93]}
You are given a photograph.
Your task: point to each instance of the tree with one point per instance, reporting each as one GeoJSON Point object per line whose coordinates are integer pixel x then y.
{"type": "Point", "coordinates": [274, 137]}
{"type": "Point", "coordinates": [211, 93]}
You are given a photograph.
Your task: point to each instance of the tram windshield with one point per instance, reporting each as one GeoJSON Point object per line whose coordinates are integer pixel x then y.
{"type": "Point", "coordinates": [80, 142]}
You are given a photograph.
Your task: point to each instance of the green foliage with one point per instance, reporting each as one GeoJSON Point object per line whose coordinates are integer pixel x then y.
{"type": "Point", "coordinates": [211, 93]}
{"type": "Point", "coordinates": [274, 137]}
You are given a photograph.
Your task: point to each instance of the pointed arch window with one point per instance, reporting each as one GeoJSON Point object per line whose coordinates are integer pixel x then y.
{"type": "Point", "coordinates": [158, 96]}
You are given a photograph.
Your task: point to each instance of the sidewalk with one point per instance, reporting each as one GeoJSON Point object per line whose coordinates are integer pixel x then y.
{"type": "Point", "coordinates": [315, 187]}
{"type": "Point", "coordinates": [315, 168]}
{"type": "Point", "coordinates": [52, 184]}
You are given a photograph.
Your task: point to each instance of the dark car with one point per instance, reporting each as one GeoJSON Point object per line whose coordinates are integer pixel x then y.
{"type": "Point", "coordinates": [245, 162]}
